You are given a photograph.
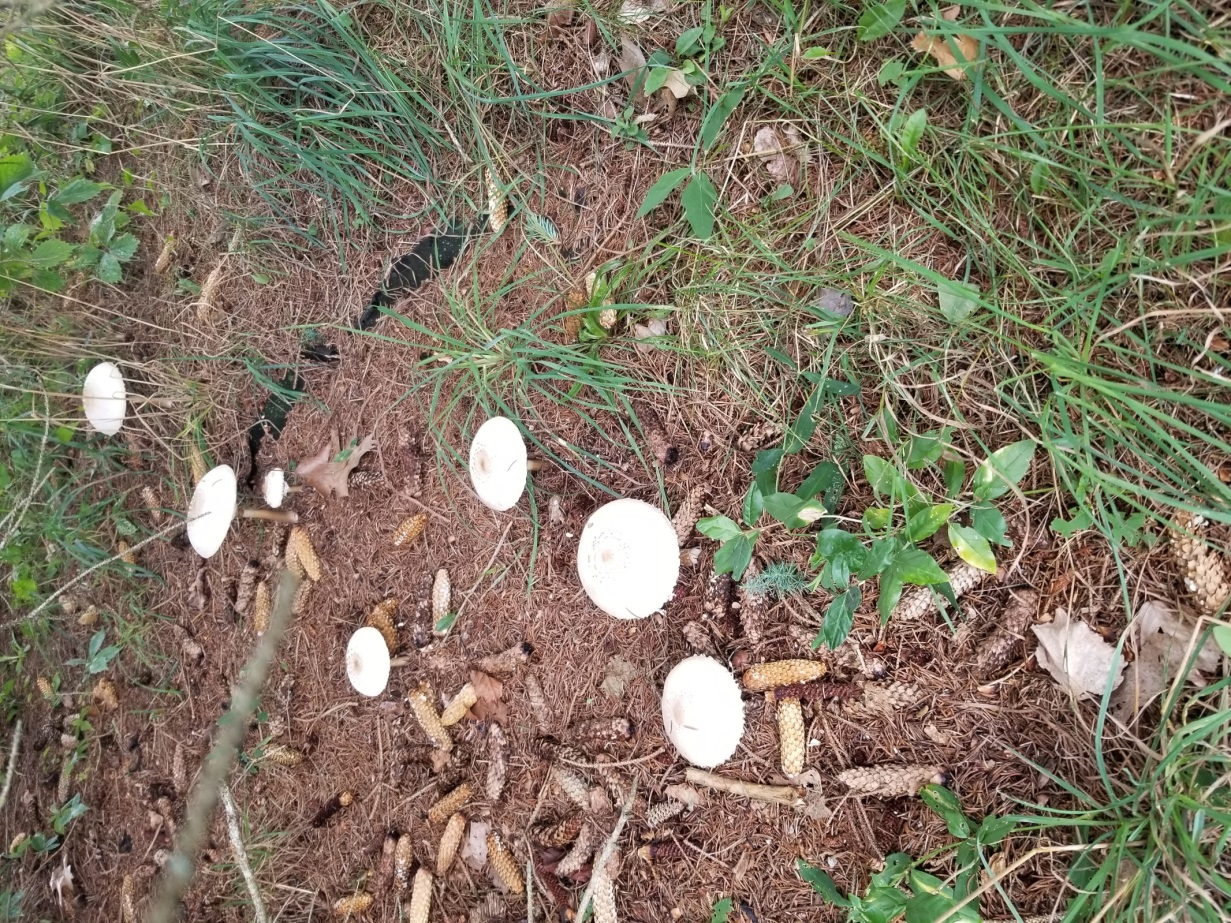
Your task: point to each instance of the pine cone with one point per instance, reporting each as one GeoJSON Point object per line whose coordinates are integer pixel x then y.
{"type": "Point", "coordinates": [44, 687]}
{"type": "Point", "coordinates": [538, 702]}
{"type": "Point", "coordinates": [490, 910]}
{"type": "Point", "coordinates": [497, 770]}
{"type": "Point", "coordinates": [661, 850]}
{"type": "Point", "coordinates": [757, 435]}
{"type": "Point", "coordinates": [660, 444]}
{"type": "Point", "coordinates": [572, 323]}
{"type": "Point", "coordinates": [1204, 571]}
{"type": "Point", "coordinates": [560, 833]}
{"type": "Point", "coordinates": [420, 905]}
{"type": "Point", "coordinates": [449, 842]}
{"type": "Point", "coordinates": [607, 318]}
{"type": "Point", "coordinates": [442, 596]}
{"type": "Point", "coordinates": [420, 701]}
{"type": "Point", "coordinates": [602, 730]}
{"type": "Point", "coordinates": [456, 710]}
{"type": "Point", "coordinates": [883, 699]}
{"type": "Point", "coordinates": [245, 588]}
{"type": "Point", "coordinates": [359, 480]}
{"type": "Point", "coordinates": [919, 601]}
{"type": "Point", "coordinates": [299, 605]}
{"type": "Point", "coordinates": [659, 814]}
{"type": "Point", "coordinates": [1003, 644]}
{"type": "Point", "coordinates": [890, 781]}
{"type": "Point", "coordinates": [572, 785]}
{"type": "Point", "coordinates": [497, 204]}
{"type": "Point", "coordinates": [163, 263]}
{"type": "Point", "coordinates": [588, 840]}
{"type": "Point", "coordinates": [381, 618]}
{"type": "Point", "coordinates": [331, 807]}
{"type": "Point", "coordinates": [126, 553]}
{"type": "Point", "coordinates": [450, 804]}
{"type": "Point", "coordinates": [817, 691]}
{"type": "Point", "coordinates": [617, 784]}
{"type": "Point", "coordinates": [261, 605]}
{"type": "Point", "coordinates": [284, 756]}
{"type": "Point", "coordinates": [384, 870]}
{"type": "Point", "coordinates": [506, 661]}
{"type": "Point", "coordinates": [503, 864]}
{"type": "Point", "coordinates": [299, 548]}
{"type": "Point", "coordinates": [791, 736]}
{"type": "Point", "coordinates": [403, 858]}
{"type": "Point", "coordinates": [716, 602]}
{"type": "Point", "coordinates": [179, 771]}
{"type": "Point", "coordinates": [105, 695]}
{"type": "Point", "coordinates": [689, 510]}
{"type": "Point", "coordinates": [196, 462]}
{"type": "Point", "coordinates": [352, 905]}
{"type": "Point", "coordinates": [763, 676]}
{"type": "Point", "coordinates": [410, 529]}
{"type": "Point", "coordinates": [603, 896]}
{"type": "Point", "coordinates": [421, 629]}
{"type": "Point", "coordinates": [697, 637]}
{"type": "Point", "coordinates": [753, 608]}
{"type": "Point", "coordinates": [128, 900]}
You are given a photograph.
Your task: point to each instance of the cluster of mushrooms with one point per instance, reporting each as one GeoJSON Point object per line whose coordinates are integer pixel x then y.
{"type": "Point", "coordinates": [628, 563]}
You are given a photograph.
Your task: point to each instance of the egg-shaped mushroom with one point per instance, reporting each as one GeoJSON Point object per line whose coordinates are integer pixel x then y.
{"type": "Point", "coordinates": [628, 559]}
{"type": "Point", "coordinates": [211, 510]}
{"type": "Point", "coordinates": [275, 488]}
{"type": "Point", "coordinates": [368, 661]}
{"type": "Point", "coordinates": [104, 398]}
{"type": "Point", "coordinates": [498, 463]}
{"type": "Point", "coordinates": [702, 711]}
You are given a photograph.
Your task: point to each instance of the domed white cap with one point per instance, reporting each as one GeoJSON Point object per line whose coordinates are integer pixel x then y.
{"type": "Point", "coordinates": [104, 398]}
{"type": "Point", "coordinates": [367, 661]}
{"type": "Point", "coordinates": [498, 463]}
{"type": "Point", "coordinates": [628, 558]}
{"type": "Point", "coordinates": [702, 711]}
{"type": "Point", "coordinates": [211, 510]}
{"type": "Point", "coordinates": [275, 487]}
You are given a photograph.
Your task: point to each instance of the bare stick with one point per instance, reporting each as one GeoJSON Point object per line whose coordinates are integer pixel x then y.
{"type": "Point", "coordinates": [231, 729]}
{"type": "Point", "coordinates": [605, 856]}
{"type": "Point", "coordinates": [241, 857]}
{"type": "Point", "coordinates": [790, 795]}
{"type": "Point", "coordinates": [8, 773]}
{"type": "Point", "coordinates": [271, 515]}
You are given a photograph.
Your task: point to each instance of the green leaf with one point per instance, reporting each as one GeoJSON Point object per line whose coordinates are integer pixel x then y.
{"type": "Point", "coordinates": [957, 300]}
{"type": "Point", "coordinates": [955, 477]}
{"type": "Point", "coordinates": [891, 72]}
{"type": "Point", "coordinates": [884, 479]}
{"type": "Point", "coordinates": [140, 208]}
{"type": "Point", "coordinates": [51, 253]}
{"type": "Point", "coordinates": [734, 556]}
{"type": "Point", "coordinates": [879, 555]}
{"type": "Point", "coordinates": [260, 278]}
{"type": "Point", "coordinates": [839, 617]}
{"type": "Point", "coordinates": [924, 523]}
{"type": "Point", "coordinates": [720, 112]}
{"type": "Point", "coordinates": [805, 425]}
{"type": "Point", "coordinates": [925, 449]}
{"type": "Point", "coordinates": [47, 280]}
{"type": "Point", "coordinates": [916, 566]}
{"type": "Point", "coordinates": [699, 199]}
{"type": "Point", "coordinates": [722, 910]}
{"type": "Point", "coordinates": [689, 42]}
{"type": "Point", "coordinates": [109, 270]}
{"type": "Point", "coordinates": [912, 133]}
{"type": "Point", "coordinates": [816, 53]}
{"type": "Point", "coordinates": [783, 507]}
{"type": "Point", "coordinates": [1003, 470]}
{"type": "Point", "coordinates": [78, 191]}
{"type": "Point", "coordinates": [102, 225]}
{"type": "Point", "coordinates": [655, 79]}
{"type": "Point", "coordinates": [879, 19]}
{"type": "Point", "coordinates": [719, 528]}
{"type": "Point", "coordinates": [989, 522]}
{"type": "Point", "coordinates": [994, 829]}
{"type": "Point", "coordinates": [945, 803]}
{"type": "Point", "coordinates": [1067, 528]}
{"type": "Point", "coordinates": [124, 247]}
{"type": "Point", "coordinates": [16, 235]}
{"type": "Point", "coordinates": [972, 547]}
{"type": "Point", "coordinates": [876, 518]}
{"type": "Point", "coordinates": [826, 478]}
{"type": "Point", "coordinates": [765, 469]}
{"type": "Point", "coordinates": [445, 622]}
{"type": "Point", "coordinates": [15, 169]}
{"type": "Point", "coordinates": [663, 187]}
{"type": "Point", "coordinates": [754, 505]}
{"type": "Point", "coordinates": [821, 883]}
{"type": "Point", "coordinates": [1222, 637]}
{"type": "Point", "coordinates": [842, 555]}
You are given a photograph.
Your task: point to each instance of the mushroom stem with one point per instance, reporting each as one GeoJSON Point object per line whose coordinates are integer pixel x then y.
{"type": "Point", "coordinates": [156, 401]}
{"type": "Point", "coordinates": [271, 515]}
{"type": "Point", "coordinates": [534, 464]}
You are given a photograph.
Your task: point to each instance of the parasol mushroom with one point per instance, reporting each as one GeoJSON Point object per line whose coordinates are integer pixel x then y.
{"type": "Point", "coordinates": [628, 559]}
{"type": "Point", "coordinates": [702, 711]}
{"type": "Point", "coordinates": [213, 508]}
{"type": "Point", "coordinates": [498, 463]}
{"type": "Point", "coordinates": [276, 489]}
{"type": "Point", "coordinates": [105, 398]}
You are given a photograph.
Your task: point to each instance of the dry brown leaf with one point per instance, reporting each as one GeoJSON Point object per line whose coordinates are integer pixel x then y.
{"type": "Point", "coordinates": [635, 12]}
{"type": "Point", "coordinates": [327, 476]}
{"type": "Point", "coordinates": [1160, 638]}
{"type": "Point", "coordinates": [677, 83]}
{"type": "Point", "coordinates": [632, 60]}
{"type": "Point", "coordinates": [780, 151]}
{"type": "Point", "coordinates": [946, 48]}
{"type": "Point", "coordinates": [490, 705]}
{"type": "Point", "coordinates": [619, 673]}
{"type": "Point", "coordinates": [950, 13]}
{"type": "Point", "coordinates": [1076, 656]}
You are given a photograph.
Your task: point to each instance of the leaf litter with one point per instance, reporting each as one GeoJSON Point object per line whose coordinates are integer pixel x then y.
{"type": "Point", "coordinates": [941, 47]}
{"type": "Point", "coordinates": [1161, 639]}
{"type": "Point", "coordinates": [782, 151]}
{"type": "Point", "coordinates": [1077, 657]}
{"type": "Point", "coordinates": [328, 470]}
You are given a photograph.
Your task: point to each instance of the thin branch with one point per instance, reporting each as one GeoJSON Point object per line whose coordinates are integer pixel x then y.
{"type": "Point", "coordinates": [790, 795]}
{"type": "Point", "coordinates": [8, 773]}
{"type": "Point", "coordinates": [241, 857]}
{"type": "Point", "coordinates": [608, 849]}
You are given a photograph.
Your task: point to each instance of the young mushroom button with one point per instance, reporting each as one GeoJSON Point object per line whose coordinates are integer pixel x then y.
{"type": "Point", "coordinates": [104, 398]}
{"type": "Point", "coordinates": [213, 508]}
{"type": "Point", "coordinates": [702, 711]}
{"type": "Point", "coordinates": [367, 661]}
{"type": "Point", "coordinates": [627, 559]}
{"type": "Point", "coordinates": [498, 463]}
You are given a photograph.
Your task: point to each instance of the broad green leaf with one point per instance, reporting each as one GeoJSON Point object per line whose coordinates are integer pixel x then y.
{"type": "Point", "coordinates": [927, 907]}
{"type": "Point", "coordinates": [876, 518]}
{"type": "Point", "coordinates": [765, 469]}
{"type": "Point", "coordinates": [754, 504]}
{"type": "Point", "coordinates": [78, 191]}
{"type": "Point", "coordinates": [783, 507]}
{"type": "Point", "coordinates": [734, 556]}
{"type": "Point", "coordinates": [16, 235]}
{"type": "Point", "coordinates": [699, 199]}
{"type": "Point", "coordinates": [841, 554]}
{"type": "Point", "coordinates": [805, 425]}
{"type": "Point", "coordinates": [1003, 470]}
{"type": "Point", "coordinates": [826, 478]}
{"type": "Point", "coordinates": [689, 42]}
{"type": "Point", "coordinates": [880, 554]}
{"type": "Point", "coordinates": [879, 19]}
{"type": "Point", "coordinates": [957, 300]}
{"type": "Point", "coordinates": [15, 169]}
{"type": "Point", "coordinates": [722, 910]}
{"type": "Point", "coordinates": [972, 547]}
{"type": "Point", "coordinates": [51, 253]}
{"type": "Point", "coordinates": [883, 477]}
{"type": "Point", "coordinates": [102, 225]}
{"type": "Point", "coordinates": [655, 79]}
{"type": "Point", "coordinates": [924, 523]}
{"type": "Point", "coordinates": [914, 565]}
{"type": "Point", "coordinates": [816, 53]}
{"type": "Point", "coordinates": [1222, 637]}
{"type": "Point", "coordinates": [989, 522]}
{"type": "Point", "coordinates": [445, 622]}
{"type": "Point", "coordinates": [720, 112]}
{"type": "Point", "coordinates": [665, 185]}
{"type": "Point", "coordinates": [140, 208]}
{"type": "Point", "coordinates": [839, 618]}
{"type": "Point", "coordinates": [109, 270]}
{"type": "Point", "coordinates": [891, 72]}
{"type": "Point", "coordinates": [123, 247]}
{"type": "Point", "coordinates": [821, 883]}
{"type": "Point", "coordinates": [719, 528]}
{"type": "Point", "coordinates": [994, 829]}
{"type": "Point", "coordinates": [955, 477]}
{"type": "Point", "coordinates": [925, 449]}
{"type": "Point", "coordinates": [48, 280]}
{"type": "Point", "coordinates": [912, 132]}
{"type": "Point", "coordinates": [945, 803]}
{"type": "Point", "coordinates": [1067, 528]}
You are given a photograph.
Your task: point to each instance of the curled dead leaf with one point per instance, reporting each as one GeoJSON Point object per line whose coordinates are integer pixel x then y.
{"type": "Point", "coordinates": [1161, 639]}
{"type": "Point", "coordinates": [781, 152]}
{"type": "Point", "coordinates": [955, 53]}
{"type": "Point", "coordinates": [490, 691]}
{"type": "Point", "coordinates": [1077, 657]}
{"type": "Point", "coordinates": [632, 60]}
{"type": "Point", "coordinates": [326, 474]}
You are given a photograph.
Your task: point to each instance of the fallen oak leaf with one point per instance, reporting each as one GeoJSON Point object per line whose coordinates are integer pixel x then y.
{"type": "Point", "coordinates": [1161, 638]}
{"type": "Point", "coordinates": [1077, 657]}
{"type": "Point", "coordinates": [490, 691]}
{"type": "Point", "coordinates": [943, 47]}
{"type": "Point", "coordinates": [778, 152]}
{"type": "Point", "coordinates": [326, 472]}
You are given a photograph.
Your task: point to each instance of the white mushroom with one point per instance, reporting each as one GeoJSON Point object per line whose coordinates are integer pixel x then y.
{"type": "Point", "coordinates": [702, 711]}
{"type": "Point", "coordinates": [367, 661]}
{"type": "Point", "coordinates": [498, 463]}
{"type": "Point", "coordinates": [105, 398]}
{"type": "Point", "coordinates": [628, 559]}
{"type": "Point", "coordinates": [213, 508]}
{"type": "Point", "coordinates": [275, 487]}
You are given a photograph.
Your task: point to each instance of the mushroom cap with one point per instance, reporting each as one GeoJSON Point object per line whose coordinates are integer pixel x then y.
{"type": "Point", "coordinates": [367, 661]}
{"type": "Point", "coordinates": [104, 398]}
{"type": "Point", "coordinates": [211, 510]}
{"type": "Point", "coordinates": [275, 487]}
{"type": "Point", "coordinates": [628, 558]}
{"type": "Point", "coordinates": [702, 711]}
{"type": "Point", "coordinates": [498, 463]}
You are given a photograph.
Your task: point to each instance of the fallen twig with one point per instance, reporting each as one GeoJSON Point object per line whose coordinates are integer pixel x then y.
{"type": "Point", "coordinates": [605, 856]}
{"type": "Point", "coordinates": [8, 772]}
{"type": "Point", "coordinates": [241, 857]}
{"type": "Point", "coordinates": [790, 795]}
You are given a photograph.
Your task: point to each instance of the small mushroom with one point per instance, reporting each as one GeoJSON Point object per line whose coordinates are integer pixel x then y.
{"type": "Point", "coordinates": [628, 559]}
{"type": "Point", "coordinates": [105, 398]}
{"type": "Point", "coordinates": [498, 463]}
{"type": "Point", "coordinates": [213, 508]}
{"type": "Point", "coordinates": [368, 661]}
{"type": "Point", "coordinates": [276, 489]}
{"type": "Point", "coordinates": [702, 711]}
